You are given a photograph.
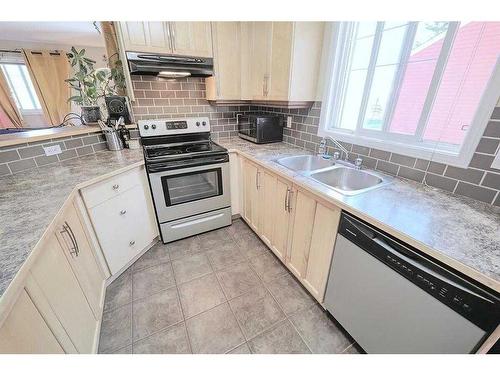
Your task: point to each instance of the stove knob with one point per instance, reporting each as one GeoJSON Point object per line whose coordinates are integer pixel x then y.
{"type": "Point", "coordinates": [197, 123]}
{"type": "Point", "coordinates": [203, 123]}
{"type": "Point", "coordinates": [153, 126]}
{"type": "Point", "coordinates": [146, 127]}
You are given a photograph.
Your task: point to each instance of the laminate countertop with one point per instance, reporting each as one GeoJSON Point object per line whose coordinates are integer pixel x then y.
{"type": "Point", "coordinates": [458, 231]}
{"type": "Point", "coordinates": [30, 200]}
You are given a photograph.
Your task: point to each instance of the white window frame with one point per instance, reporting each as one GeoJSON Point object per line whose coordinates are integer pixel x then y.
{"type": "Point", "coordinates": [397, 143]}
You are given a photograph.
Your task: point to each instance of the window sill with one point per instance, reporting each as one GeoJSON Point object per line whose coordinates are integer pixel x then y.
{"type": "Point", "coordinates": [456, 159]}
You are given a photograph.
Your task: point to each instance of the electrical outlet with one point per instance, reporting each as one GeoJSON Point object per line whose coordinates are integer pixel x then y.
{"type": "Point", "coordinates": [52, 150]}
{"type": "Point", "coordinates": [289, 121]}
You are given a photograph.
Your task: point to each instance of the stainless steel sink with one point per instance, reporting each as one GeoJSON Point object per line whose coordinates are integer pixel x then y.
{"type": "Point", "coordinates": [305, 163]}
{"type": "Point", "coordinates": [349, 181]}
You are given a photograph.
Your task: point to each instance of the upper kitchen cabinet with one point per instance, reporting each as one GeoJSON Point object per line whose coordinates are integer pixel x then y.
{"type": "Point", "coordinates": [179, 38]}
{"type": "Point", "coordinates": [285, 61]}
{"type": "Point", "coordinates": [226, 83]}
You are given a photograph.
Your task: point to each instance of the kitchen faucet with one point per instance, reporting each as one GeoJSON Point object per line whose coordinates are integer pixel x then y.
{"type": "Point", "coordinates": [336, 155]}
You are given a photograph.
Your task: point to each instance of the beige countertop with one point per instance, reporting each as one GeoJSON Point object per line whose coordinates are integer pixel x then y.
{"type": "Point", "coordinates": [458, 231]}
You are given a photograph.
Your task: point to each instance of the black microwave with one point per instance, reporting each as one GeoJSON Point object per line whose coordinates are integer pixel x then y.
{"type": "Point", "coordinates": [260, 128]}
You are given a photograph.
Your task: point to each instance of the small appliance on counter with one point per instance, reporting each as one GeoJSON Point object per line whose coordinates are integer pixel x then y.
{"type": "Point", "coordinates": [188, 174]}
{"type": "Point", "coordinates": [260, 128]}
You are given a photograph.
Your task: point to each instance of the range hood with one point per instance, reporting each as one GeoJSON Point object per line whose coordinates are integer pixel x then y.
{"type": "Point", "coordinates": [169, 66]}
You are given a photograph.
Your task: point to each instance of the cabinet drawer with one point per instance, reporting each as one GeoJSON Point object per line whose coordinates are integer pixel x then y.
{"type": "Point", "coordinates": [125, 225]}
{"type": "Point", "coordinates": [112, 187]}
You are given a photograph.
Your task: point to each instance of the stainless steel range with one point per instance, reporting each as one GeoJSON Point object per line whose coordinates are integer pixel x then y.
{"type": "Point", "coordinates": [188, 175]}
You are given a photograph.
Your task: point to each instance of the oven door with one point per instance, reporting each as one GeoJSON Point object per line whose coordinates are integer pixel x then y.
{"type": "Point", "coordinates": [190, 191]}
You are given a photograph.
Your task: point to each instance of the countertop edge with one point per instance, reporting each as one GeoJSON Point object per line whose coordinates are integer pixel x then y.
{"type": "Point", "coordinates": [439, 256]}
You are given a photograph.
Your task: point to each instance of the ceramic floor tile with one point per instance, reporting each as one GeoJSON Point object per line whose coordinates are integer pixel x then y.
{"type": "Point", "coordinates": [119, 292]}
{"type": "Point", "coordinates": [214, 331]}
{"type": "Point", "coordinates": [125, 350]}
{"type": "Point", "coordinates": [267, 266]}
{"type": "Point", "coordinates": [200, 294]}
{"type": "Point", "coordinates": [282, 339]}
{"type": "Point", "coordinates": [225, 255]}
{"type": "Point", "coordinates": [191, 267]}
{"type": "Point", "coordinates": [152, 280]}
{"type": "Point", "coordinates": [172, 340]}
{"type": "Point", "coordinates": [251, 246]}
{"type": "Point", "coordinates": [353, 349]}
{"type": "Point", "coordinates": [290, 295]}
{"type": "Point", "coordinates": [238, 279]}
{"type": "Point", "coordinates": [155, 312]}
{"type": "Point", "coordinates": [239, 228]}
{"type": "Point", "coordinates": [185, 247]}
{"type": "Point", "coordinates": [256, 311]}
{"type": "Point", "coordinates": [242, 349]}
{"type": "Point", "coordinates": [215, 239]}
{"type": "Point", "coordinates": [116, 329]}
{"type": "Point", "coordinates": [319, 332]}
{"type": "Point", "coordinates": [157, 254]}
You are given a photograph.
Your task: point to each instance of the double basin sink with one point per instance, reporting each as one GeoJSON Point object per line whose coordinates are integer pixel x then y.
{"type": "Point", "coordinates": [338, 175]}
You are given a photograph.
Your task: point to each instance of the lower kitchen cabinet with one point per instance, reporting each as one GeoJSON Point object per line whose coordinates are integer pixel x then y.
{"type": "Point", "coordinates": [26, 332]}
{"type": "Point", "coordinates": [57, 288]}
{"type": "Point", "coordinates": [297, 226]}
{"type": "Point", "coordinates": [124, 224]}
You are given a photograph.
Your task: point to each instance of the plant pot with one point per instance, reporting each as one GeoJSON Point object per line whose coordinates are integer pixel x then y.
{"type": "Point", "coordinates": [91, 114]}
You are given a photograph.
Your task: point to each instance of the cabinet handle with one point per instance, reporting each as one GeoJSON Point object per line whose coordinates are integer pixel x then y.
{"type": "Point", "coordinates": [115, 186]}
{"type": "Point", "coordinates": [257, 180]}
{"type": "Point", "coordinates": [74, 251]}
{"type": "Point", "coordinates": [286, 199]}
{"type": "Point", "coordinates": [290, 200]}
{"type": "Point", "coordinates": [169, 37]}
{"type": "Point", "coordinates": [132, 243]}
{"type": "Point", "coordinates": [265, 86]}
{"type": "Point", "coordinates": [172, 36]}
{"type": "Point", "coordinates": [123, 212]}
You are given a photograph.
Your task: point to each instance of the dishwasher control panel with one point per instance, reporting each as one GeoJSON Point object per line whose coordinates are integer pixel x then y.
{"type": "Point", "coordinates": [477, 305]}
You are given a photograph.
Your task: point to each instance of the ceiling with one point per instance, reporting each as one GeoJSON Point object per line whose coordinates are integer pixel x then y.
{"type": "Point", "coordinates": [67, 33]}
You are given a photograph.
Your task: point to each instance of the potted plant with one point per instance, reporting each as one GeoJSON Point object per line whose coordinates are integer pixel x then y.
{"type": "Point", "coordinates": [91, 85]}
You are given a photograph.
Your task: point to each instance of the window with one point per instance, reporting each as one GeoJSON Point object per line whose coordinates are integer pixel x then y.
{"type": "Point", "coordinates": [22, 89]}
{"type": "Point", "coordinates": [420, 88]}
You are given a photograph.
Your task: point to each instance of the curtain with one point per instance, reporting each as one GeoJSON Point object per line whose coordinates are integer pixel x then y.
{"type": "Point", "coordinates": [48, 70]}
{"type": "Point", "coordinates": [9, 113]}
{"type": "Point", "coordinates": [111, 42]}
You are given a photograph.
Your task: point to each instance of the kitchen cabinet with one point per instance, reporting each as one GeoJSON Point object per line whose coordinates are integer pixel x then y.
{"type": "Point", "coordinates": [73, 236]}
{"type": "Point", "coordinates": [285, 61]}
{"type": "Point", "coordinates": [251, 194]}
{"type": "Point", "coordinates": [25, 331]}
{"type": "Point", "coordinates": [267, 205]}
{"type": "Point", "coordinates": [178, 38]}
{"type": "Point", "coordinates": [57, 285]}
{"type": "Point", "coordinates": [225, 84]}
{"type": "Point", "coordinates": [122, 214]}
{"type": "Point", "coordinates": [281, 217]}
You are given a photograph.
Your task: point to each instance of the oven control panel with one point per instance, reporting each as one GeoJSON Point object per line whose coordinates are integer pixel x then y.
{"type": "Point", "coordinates": [160, 127]}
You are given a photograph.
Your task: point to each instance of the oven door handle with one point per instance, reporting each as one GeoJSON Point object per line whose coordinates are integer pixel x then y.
{"type": "Point", "coordinates": [155, 168]}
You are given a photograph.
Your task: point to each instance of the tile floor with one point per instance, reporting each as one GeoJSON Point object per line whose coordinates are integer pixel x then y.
{"type": "Point", "coordinates": [218, 292]}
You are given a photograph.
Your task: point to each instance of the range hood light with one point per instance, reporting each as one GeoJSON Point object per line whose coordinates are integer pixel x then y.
{"type": "Point", "coordinates": [173, 74]}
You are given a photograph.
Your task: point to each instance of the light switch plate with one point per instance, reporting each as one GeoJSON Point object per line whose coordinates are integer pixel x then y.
{"type": "Point", "coordinates": [289, 121]}
{"type": "Point", "coordinates": [52, 150]}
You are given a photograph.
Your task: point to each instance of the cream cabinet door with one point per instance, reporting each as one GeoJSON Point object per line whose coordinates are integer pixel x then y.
{"type": "Point", "coordinates": [60, 287]}
{"type": "Point", "coordinates": [281, 218]}
{"type": "Point", "coordinates": [261, 35]}
{"type": "Point", "coordinates": [191, 38]}
{"type": "Point", "coordinates": [146, 36]}
{"type": "Point", "coordinates": [280, 60]}
{"type": "Point", "coordinates": [226, 83]}
{"type": "Point", "coordinates": [326, 221]}
{"type": "Point", "coordinates": [251, 194]}
{"type": "Point", "coordinates": [25, 331]}
{"type": "Point", "coordinates": [267, 205]}
{"type": "Point", "coordinates": [80, 254]}
{"type": "Point", "coordinates": [304, 208]}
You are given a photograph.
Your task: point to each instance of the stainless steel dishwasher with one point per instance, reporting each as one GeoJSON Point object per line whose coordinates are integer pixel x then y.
{"type": "Point", "coordinates": [391, 298]}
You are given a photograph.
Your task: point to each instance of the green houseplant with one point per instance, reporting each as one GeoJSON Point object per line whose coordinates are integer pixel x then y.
{"type": "Point", "coordinates": [90, 86]}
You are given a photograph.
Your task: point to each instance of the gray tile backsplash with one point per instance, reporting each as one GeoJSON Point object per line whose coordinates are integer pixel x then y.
{"type": "Point", "coordinates": [478, 181]}
{"type": "Point", "coordinates": [24, 156]}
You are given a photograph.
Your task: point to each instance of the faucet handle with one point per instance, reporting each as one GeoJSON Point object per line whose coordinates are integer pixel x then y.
{"type": "Point", "coordinates": [358, 163]}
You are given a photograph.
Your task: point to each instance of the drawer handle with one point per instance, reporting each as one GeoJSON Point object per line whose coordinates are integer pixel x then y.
{"type": "Point", "coordinates": [115, 186]}
{"type": "Point", "coordinates": [132, 243]}
{"type": "Point", "coordinates": [75, 250]}
{"type": "Point", "coordinates": [123, 212]}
